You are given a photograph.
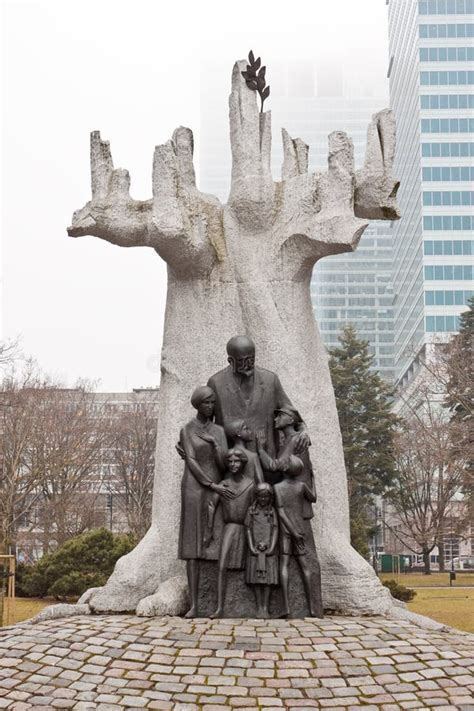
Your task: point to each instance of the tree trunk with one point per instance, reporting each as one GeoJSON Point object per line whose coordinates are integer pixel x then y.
{"type": "Point", "coordinates": [426, 562]}
{"type": "Point", "coordinates": [441, 556]}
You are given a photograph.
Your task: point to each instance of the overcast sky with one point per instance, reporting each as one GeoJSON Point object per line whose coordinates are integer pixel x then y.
{"type": "Point", "coordinates": [85, 308]}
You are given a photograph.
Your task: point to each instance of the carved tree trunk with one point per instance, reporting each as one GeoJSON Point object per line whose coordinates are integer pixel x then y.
{"type": "Point", "coordinates": [245, 268]}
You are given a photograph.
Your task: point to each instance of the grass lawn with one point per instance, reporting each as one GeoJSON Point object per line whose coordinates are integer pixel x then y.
{"type": "Point", "coordinates": [434, 598]}
{"type": "Point", "coordinates": [23, 608]}
{"type": "Point", "coordinates": [418, 580]}
{"type": "Point", "coordinates": [450, 606]}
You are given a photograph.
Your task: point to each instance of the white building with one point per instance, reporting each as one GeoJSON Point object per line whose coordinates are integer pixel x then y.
{"type": "Point", "coordinates": [101, 493]}
{"type": "Point", "coordinates": [431, 94]}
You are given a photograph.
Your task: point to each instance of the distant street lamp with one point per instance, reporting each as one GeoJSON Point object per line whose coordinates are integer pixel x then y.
{"type": "Point", "coordinates": [110, 507]}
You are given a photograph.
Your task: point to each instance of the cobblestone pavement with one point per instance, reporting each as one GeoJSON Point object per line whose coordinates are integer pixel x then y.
{"type": "Point", "coordinates": [110, 663]}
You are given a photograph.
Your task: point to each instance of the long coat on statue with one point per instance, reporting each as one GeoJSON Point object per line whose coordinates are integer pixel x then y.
{"type": "Point", "coordinates": [266, 396]}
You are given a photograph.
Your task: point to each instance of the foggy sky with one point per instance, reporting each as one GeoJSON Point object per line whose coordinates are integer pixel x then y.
{"type": "Point", "coordinates": [83, 307]}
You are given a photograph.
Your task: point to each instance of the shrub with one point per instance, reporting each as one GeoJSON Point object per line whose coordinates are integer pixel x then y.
{"type": "Point", "coordinates": [399, 592]}
{"type": "Point", "coordinates": [20, 572]}
{"type": "Point", "coordinates": [82, 562]}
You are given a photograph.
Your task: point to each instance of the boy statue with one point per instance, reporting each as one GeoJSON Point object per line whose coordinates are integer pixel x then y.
{"type": "Point", "coordinates": [295, 494]}
{"type": "Point", "coordinates": [296, 536]}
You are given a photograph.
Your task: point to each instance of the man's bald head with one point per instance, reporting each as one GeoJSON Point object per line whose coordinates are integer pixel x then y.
{"type": "Point", "coordinates": [241, 352]}
{"type": "Point", "coordinates": [240, 344]}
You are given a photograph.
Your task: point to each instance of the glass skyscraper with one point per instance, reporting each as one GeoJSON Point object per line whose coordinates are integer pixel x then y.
{"type": "Point", "coordinates": [431, 93]}
{"type": "Point", "coordinates": [311, 103]}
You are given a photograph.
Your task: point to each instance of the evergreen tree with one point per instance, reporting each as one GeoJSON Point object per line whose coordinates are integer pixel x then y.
{"type": "Point", "coordinates": [460, 366]}
{"type": "Point", "coordinates": [78, 564]}
{"type": "Point", "coordinates": [363, 401]}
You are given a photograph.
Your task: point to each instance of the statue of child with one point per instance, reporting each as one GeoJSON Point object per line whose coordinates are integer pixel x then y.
{"type": "Point", "coordinates": [261, 523]}
{"type": "Point", "coordinates": [239, 434]}
{"type": "Point", "coordinates": [296, 536]}
{"type": "Point", "coordinates": [235, 500]}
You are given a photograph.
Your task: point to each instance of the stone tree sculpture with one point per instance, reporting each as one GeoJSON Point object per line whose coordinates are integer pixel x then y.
{"type": "Point", "coordinates": [245, 267]}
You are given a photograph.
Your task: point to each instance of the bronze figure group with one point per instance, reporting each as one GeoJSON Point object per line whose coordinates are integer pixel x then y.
{"type": "Point", "coordinates": [246, 460]}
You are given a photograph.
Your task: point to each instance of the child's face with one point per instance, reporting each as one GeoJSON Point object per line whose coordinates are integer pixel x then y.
{"type": "Point", "coordinates": [264, 498]}
{"type": "Point", "coordinates": [282, 420]}
{"type": "Point", "coordinates": [234, 464]}
{"type": "Point", "coordinates": [245, 433]}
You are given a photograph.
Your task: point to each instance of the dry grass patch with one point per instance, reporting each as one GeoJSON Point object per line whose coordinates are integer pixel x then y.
{"type": "Point", "coordinates": [447, 605]}
{"type": "Point", "coordinates": [418, 580]}
{"type": "Point", "coordinates": [23, 608]}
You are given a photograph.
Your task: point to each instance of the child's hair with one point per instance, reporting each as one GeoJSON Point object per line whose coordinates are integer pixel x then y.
{"type": "Point", "coordinates": [291, 411]}
{"type": "Point", "coordinates": [233, 428]}
{"type": "Point", "coordinates": [237, 452]}
{"type": "Point", "coordinates": [264, 486]}
{"type": "Point", "coordinates": [295, 465]}
{"type": "Point", "coordinates": [254, 507]}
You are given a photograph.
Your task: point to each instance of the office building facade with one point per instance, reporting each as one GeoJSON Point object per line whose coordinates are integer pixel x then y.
{"type": "Point", "coordinates": [431, 93]}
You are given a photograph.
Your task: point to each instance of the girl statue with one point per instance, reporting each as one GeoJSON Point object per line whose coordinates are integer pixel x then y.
{"type": "Point", "coordinates": [261, 523]}
{"type": "Point", "coordinates": [233, 543]}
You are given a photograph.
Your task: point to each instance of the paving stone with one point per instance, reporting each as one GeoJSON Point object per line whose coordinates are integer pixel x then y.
{"type": "Point", "coordinates": [63, 703]}
{"type": "Point", "coordinates": [111, 663]}
{"type": "Point", "coordinates": [41, 700]}
{"type": "Point", "coordinates": [134, 701]}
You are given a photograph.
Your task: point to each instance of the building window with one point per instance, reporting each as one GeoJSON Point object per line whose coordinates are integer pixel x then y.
{"type": "Point", "coordinates": [447, 197]}
{"type": "Point", "coordinates": [447, 150]}
{"type": "Point", "coordinates": [448, 272]}
{"type": "Point", "coordinates": [448, 222]}
{"type": "Point", "coordinates": [448, 247]}
{"type": "Point", "coordinates": [447, 101]}
{"type": "Point", "coordinates": [448, 173]}
{"type": "Point", "coordinates": [435, 324]}
{"type": "Point", "coordinates": [443, 31]}
{"type": "Point", "coordinates": [446, 78]}
{"type": "Point", "coordinates": [446, 54]}
{"type": "Point", "coordinates": [454, 125]}
{"type": "Point", "coordinates": [445, 7]}
{"type": "Point", "coordinates": [447, 298]}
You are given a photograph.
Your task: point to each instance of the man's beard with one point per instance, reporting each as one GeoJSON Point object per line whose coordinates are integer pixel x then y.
{"type": "Point", "coordinates": [245, 373]}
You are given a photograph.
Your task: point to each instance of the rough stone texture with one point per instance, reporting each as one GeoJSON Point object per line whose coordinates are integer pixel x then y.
{"type": "Point", "coordinates": [375, 178]}
{"type": "Point", "coordinates": [100, 663]}
{"type": "Point", "coordinates": [54, 612]}
{"type": "Point", "coordinates": [88, 595]}
{"type": "Point", "coordinates": [245, 267]}
{"type": "Point", "coordinates": [171, 598]}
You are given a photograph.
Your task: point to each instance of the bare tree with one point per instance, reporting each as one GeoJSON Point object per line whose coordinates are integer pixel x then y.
{"type": "Point", "coordinates": [428, 482]}
{"type": "Point", "coordinates": [19, 482]}
{"type": "Point", "coordinates": [133, 459]}
{"type": "Point", "coordinates": [447, 378]}
{"type": "Point", "coordinates": [9, 353]}
{"type": "Point", "coordinates": [66, 453]}
{"type": "Point", "coordinates": [449, 374]}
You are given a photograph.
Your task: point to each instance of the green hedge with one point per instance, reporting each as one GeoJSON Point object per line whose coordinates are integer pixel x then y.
{"type": "Point", "coordinates": [83, 562]}
{"type": "Point", "coordinates": [399, 592]}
